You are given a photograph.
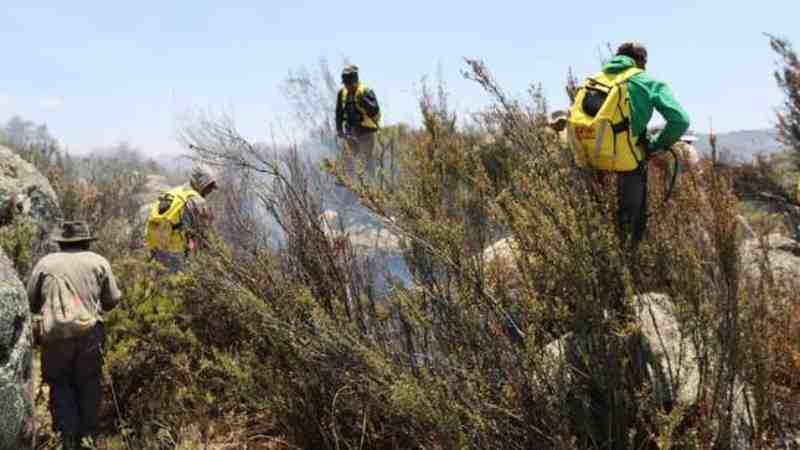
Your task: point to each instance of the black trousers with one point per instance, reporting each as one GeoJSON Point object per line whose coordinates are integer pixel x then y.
{"type": "Point", "coordinates": [73, 369]}
{"type": "Point", "coordinates": [632, 204]}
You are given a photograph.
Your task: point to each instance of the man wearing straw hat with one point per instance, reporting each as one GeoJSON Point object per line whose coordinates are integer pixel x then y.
{"type": "Point", "coordinates": [70, 289]}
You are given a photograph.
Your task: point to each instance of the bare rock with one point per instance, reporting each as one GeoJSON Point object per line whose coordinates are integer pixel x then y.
{"type": "Point", "coordinates": [777, 252]}
{"type": "Point", "coordinates": [660, 355]}
{"type": "Point", "coordinates": [24, 191]}
{"type": "Point", "coordinates": [16, 414]}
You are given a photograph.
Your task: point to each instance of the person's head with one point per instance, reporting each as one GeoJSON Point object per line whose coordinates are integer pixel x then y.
{"type": "Point", "coordinates": [558, 120]}
{"type": "Point", "coordinates": [350, 75]}
{"type": "Point", "coordinates": [73, 235]}
{"type": "Point", "coordinates": [203, 180]}
{"type": "Point", "coordinates": [635, 51]}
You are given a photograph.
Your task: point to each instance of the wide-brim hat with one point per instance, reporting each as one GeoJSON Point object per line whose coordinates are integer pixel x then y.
{"type": "Point", "coordinates": [557, 117]}
{"type": "Point", "coordinates": [202, 177]}
{"type": "Point", "coordinates": [73, 231]}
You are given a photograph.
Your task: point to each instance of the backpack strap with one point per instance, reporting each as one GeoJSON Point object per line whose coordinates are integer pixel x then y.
{"type": "Point", "coordinates": [628, 74]}
{"type": "Point", "coordinates": [625, 125]}
{"type": "Point", "coordinates": [621, 127]}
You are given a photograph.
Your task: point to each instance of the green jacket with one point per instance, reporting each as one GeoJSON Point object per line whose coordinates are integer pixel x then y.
{"type": "Point", "coordinates": [646, 95]}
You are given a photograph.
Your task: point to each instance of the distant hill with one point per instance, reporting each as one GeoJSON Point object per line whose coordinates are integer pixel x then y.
{"type": "Point", "coordinates": [742, 145]}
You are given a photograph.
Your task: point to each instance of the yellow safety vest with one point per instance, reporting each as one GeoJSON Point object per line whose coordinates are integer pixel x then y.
{"type": "Point", "coordinates": [162, 231]}
{"type": "Point", "coordinates": [367, 121]}
{"type": "Point", "coordinates": [599, 130]}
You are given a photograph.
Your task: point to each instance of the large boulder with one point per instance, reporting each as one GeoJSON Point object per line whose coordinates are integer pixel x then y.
{"type": "Point", "coordinates": [153, 186]}
{"type": "Point", "coordinates": [16, 413]}
{"type": "Point", "coordinates": [499, 260]}
{"type": "Point", "coordinates": [364, 233]}
{"type": "Point", "coordinates": [371, 238]}
{"type": "Point", "coordinates": [501, 254]}
{"type": "Point", "coordinates": [659, 356]}
{"type": "Point", "coordinates": [24, 191]}
{"type": "Point", "coordinates": [777, 252]}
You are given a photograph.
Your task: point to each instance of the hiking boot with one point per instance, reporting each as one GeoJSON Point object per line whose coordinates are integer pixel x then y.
{"type": "Point", "coordinates": [70, 441]}
{"type": "Point", "coordinates": [86, 443]}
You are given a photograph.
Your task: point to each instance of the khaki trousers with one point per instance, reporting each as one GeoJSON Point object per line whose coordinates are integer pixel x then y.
{"type": "Point", "coordinates": [362, 148]}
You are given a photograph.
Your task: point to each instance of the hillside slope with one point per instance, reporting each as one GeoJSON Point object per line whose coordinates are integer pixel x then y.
{"type": "Point", "coordinates": [742, 145]}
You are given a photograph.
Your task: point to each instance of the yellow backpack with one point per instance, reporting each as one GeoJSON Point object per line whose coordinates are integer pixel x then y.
{"type": "Point", "coordinates": [162, 230]}
{"type": "Point", "coordinates": [599, 130]}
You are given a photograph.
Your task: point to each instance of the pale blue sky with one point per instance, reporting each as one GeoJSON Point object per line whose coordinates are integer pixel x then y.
{"type": "Point", "coordinates": [98, 72]}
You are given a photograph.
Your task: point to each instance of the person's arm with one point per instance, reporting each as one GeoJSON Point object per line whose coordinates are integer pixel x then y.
{"type": "Point", "coordinates": [797, 199]}
{"type": "Point", "coordinates": [370, 103]}
{"type": "Point", "coordinates": [195, 221]}
{"type": "Point", "coordinates": [673, 113]}
{"type": "Point", "coordinates": [189, 225]}
{"type": "Point", "coordinates": [110, 294]}
{"type": "Point", "coordinates": [339, 114]}
{"type": "Point", "coordinates": [35, 300]}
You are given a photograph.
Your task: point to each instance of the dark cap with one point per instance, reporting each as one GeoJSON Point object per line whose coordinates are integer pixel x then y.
{"type": "Point", "coordinates": [75, 231]}
{"type": "Point", "coordinates": [350, 69]}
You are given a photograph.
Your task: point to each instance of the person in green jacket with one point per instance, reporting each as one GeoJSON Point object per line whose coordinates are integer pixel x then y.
{"type": "Point", "coordinates": [646, 95]}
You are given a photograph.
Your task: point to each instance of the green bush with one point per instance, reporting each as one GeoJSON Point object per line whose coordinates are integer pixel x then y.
{"type": "Point", "coordinates": [18, 240]}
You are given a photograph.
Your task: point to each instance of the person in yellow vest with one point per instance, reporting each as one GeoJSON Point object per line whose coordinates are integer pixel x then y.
{"type": "Point", "coordinates": [179, 221]}
{"type": "Point", "coordinates": [358, 118]}
{"type": "Point", "coordinates": [608, 130]}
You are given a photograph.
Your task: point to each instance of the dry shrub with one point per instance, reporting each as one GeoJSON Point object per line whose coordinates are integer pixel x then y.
{"type": "Point", "coordinates": [289, 345]}
{"type": "Point", "coordinates": [787, 76]}
{"type": "Point", "coordinates": [294, 341]}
